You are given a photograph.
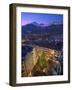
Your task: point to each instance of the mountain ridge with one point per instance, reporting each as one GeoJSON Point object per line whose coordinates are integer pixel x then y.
{"type": "Point", "coordinates": [35, 28]}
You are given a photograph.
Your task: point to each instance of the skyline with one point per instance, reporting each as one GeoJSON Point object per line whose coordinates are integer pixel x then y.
{"type": "Point", "coordinates": [41, 18]}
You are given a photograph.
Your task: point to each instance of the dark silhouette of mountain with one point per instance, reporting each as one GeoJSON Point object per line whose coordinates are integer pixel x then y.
{"type": "Point", "coordinates": [55, 28]}
{"type": "Point", "coordinates": [36, 24]}
{"type": "Point", "coordinates": [32, 28]}
{"type": "Point", "coordinates": [41, 24]}
{"type": "Point", "coordinates": [35, 28]}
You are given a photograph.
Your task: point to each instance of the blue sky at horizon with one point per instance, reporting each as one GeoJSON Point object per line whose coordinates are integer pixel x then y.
{"type": "Point", "coordinates": [41, 18]}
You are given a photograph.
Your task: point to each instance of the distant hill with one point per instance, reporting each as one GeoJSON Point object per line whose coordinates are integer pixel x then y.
{"type": "Point", "coordinates": [35, 28]}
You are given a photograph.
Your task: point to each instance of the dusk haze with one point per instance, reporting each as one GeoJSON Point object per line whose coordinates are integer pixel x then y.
{"type": "Point", "coordinates": [41, 18]}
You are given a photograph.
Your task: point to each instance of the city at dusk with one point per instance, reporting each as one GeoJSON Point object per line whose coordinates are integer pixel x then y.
{"type": "Point", "coordinates": [41, 44]}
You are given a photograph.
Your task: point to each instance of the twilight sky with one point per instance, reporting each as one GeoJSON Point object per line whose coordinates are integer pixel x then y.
{"type": "Point", "coordinates": [41, 18]}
